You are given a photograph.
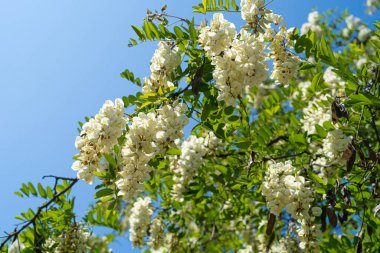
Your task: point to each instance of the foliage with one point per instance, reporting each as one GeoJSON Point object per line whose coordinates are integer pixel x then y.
{"type": "Point", "coordinates": [316, 121]}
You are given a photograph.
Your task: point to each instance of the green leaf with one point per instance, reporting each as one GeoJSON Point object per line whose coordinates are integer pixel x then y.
{"type": "Point", "coordinates": [111, 160]}
{"type": "Point", "coordinates": [41, 190]}
{"type": "Point", "coordinates": [19, 194]}
{"type": "Point", "coordinates": [103, 192]}
{"type": "Point", "coordinates": [139, 33]}
{"type": "Point", "coordinates": [363, 99]}
{"type": "Point", "coordinates": [314, 177]}
{"type": "Point", "coordinates": [174, 151]}
{"type": "Point", "coordinates": [315, 84]}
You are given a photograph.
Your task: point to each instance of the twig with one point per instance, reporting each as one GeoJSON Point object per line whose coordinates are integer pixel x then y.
{"type": "Point", "coordinates": [39, 210]}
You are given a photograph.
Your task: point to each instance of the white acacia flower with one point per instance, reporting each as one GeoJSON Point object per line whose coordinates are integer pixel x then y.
{"type": "Point", "coordinates": [139, 220]}
{"type": "Point", "coordinates": [218, 36]}
{"type": "Point", "coordinates": [16, 247]}
{"type": "Point", "coordinates": [98, 136]}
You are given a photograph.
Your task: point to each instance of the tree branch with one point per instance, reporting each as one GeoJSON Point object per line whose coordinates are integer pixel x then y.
{"type": "Point", "coordinates": [40, 209]}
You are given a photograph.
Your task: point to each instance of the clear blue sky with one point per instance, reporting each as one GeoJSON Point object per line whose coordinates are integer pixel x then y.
{"type": "Point", "coordinates": [59, 61]}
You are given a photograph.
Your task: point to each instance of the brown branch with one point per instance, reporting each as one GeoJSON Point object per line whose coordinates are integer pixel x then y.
{"type": "Point", "coordinates": [277, 139]}
{"type": "Point", "coordinates": [40, 209]}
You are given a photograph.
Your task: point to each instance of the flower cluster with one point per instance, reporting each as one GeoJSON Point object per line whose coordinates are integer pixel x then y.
{"type": "Point", "coordinates": [309, 234]}
{"type": "Point", "coordinates": [284, 188]}
{"type": "Point", "coordinates": [184, 167]}
{"type": "Point", "coordinates": [164, 61]}
{"type": "Point", "coordinates": [149, 134]}
{"type": "Point", "coordinates": [218, 36]}
{"type": "Point", "coordinates": [335, 146]}
{"type": "Point", "coordinates": [315, 113]}
{"type": "Point", "coordinates": [139, 220]}
{"type": "Point", "coordinates": [98, 136]}
{"type": "Point", "coordinates": [355, 24]}
{"type": "Point", "coordinates": [242, 65]}
{"type": "Point", "coordinates": [274, 188]}
{"type": "Point", "coordinates": [313, 24]}
{"type": "Point", "coordinates": [335, 83]}
{"type": "Point", "coordinates": [372, 6]}
{"type": "Point", "coordinates": [156, 231]}
{"type": "Point", "coordinates": [74, 240]}
{"type": "Point", "coordinates": [285, 64]}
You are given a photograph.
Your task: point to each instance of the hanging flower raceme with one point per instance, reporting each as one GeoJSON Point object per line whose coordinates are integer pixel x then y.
{"type": "Point", "coordinates": [139, 220]}
{"type": "Point", "coordinates": [16, 247]}
{"type": "Point", "coordinates": [98, 136]}
{"type": "Point", "coordinates": [74, 240]}
{"type": "Point", "coordinates": [164, 61]}
{"type": "Point", "coordinates": [185, 167]}
{"type": "Point", "coordinates": [372, 6]}
{"type": "Point", "coordinates": [335, 83]}
{"type": "Point", "coordinates": [315, 113]}
{"type": "Point", "coordinates": [218, 36]}
{"type": "Point", "coordinates": [242, 65]}
{"type": "Point", "coordinates": [335, 146]}
{"type": "Point", "coordinates": [283, 188]}
{"type": "Point", "coordinates": [285, 64]}
{"type": "Point", "coordinates": [157, 233]}
{"type": "Point", "coordinates": [149, 134]}
{"type": "Point", "coordinates": [313, 24]}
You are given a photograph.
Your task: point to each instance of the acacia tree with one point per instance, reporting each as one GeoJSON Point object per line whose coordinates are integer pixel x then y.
{"type": "Point", "coordinates": [282, 155]}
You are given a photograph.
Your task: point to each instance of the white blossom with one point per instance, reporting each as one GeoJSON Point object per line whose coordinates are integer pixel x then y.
{"type": "Point", "coordinates": [335, 83]}
{"type": "Point", "coordinates": [372, 6]}
{"type": "Point", "coordinates": [314, 114]}
{"type": "Point", "coordinates": [285, 64]}
{"type": "Point", "coordinates": [313, 24]}
{"type": "Point", "coordinates": [274, 188]}
{"type": "Point", "coordinates": [352, 22]}
{"type": "Point", "coordinates": [149, 134]}
{"type": "Point", "coordinates": [364, 33]}
{"type": "Point", "coordinates": [335, 145]}
{"type": "Point", "coordinates": [74, 240]}
{"type": "Point", "coordinates": [98, 136]}
{"type": "Point", "coordinates": [309, 235]}
{"type": "Point", "coordinates": [157, 233]}
{"type": "Point", "coordinates": [186, 165]}
{"type": "Point", "coordinates": [218, 36]}
{"type": "Point", "coordinates": [240, 66]}
{"type": "Point", "coordinates": [164, 61]}
{"type": "Point", "coordinates": [139, 220]}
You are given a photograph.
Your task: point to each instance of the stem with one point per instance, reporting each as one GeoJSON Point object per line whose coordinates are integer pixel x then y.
{"type": "Point", "coordinates": [39, 210]}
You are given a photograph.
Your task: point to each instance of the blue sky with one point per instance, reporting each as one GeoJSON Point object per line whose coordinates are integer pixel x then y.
{"type": "Point", "coordinates": [59, 61]}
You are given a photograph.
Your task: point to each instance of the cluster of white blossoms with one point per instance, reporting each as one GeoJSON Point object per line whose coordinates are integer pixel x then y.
{"type": "Point", "coordinates": [283, 188]}
{"type": "Point", "coordinates": [149, 134]}
{"type": "Point", "coordinates": [275, 247]}
{"type": "Point", "coordinates": [274, 188]}
{"type": "Point", "coordinates": [164, 61]}
{"type": "Point", "coordinates": [218, 36]}
{"type": "Point", "coordinates": [257, 16]}
{"type": "Point", "coordinates": [354, 24]}
{"type": "Point", "coordinates": [157, 233]}
{"type": "Point", "coordinates": [285, 64]}
{"type": "Point", "coordinates": [241, 65]}
{"type": "Point", "coordinates": [185, 166]}
{"type": "Point", "coordinates": [335, 145]}
{"type": "Point", "coordinates": [313, 24]}
{"type": "Point", "coordinates": [16, 247]}
{"type": "Point", "coordinates": [315, 113]}
{"type": "Point", "coordinates": [372, 6]}
{"type": "Point", "coordinates": [334, 82]}
{"type": "Point", "coordinates": [309, 233]}
{"type": "Point", "coordinates": [74, 240]}
{"type": "Point", "coordinates": [98, 136]}
{"type": "Point", "coordinates": [139, 220]}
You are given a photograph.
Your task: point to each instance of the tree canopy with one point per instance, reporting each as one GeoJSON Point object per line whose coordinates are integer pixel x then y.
{"type": "Point", "coordinates": [281, 156]}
